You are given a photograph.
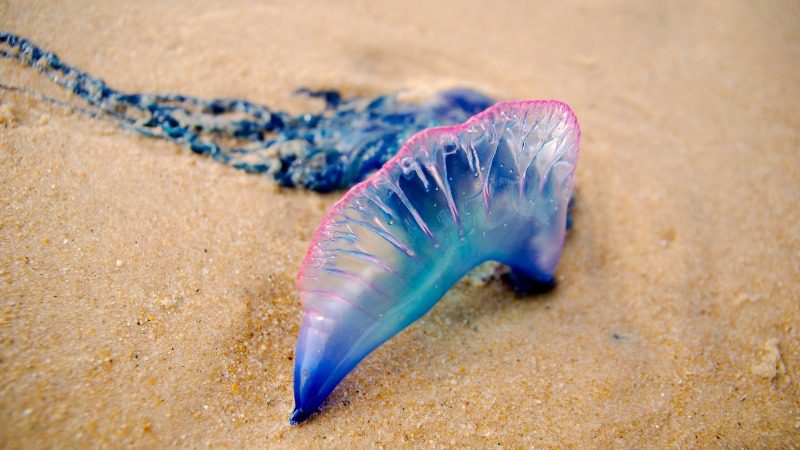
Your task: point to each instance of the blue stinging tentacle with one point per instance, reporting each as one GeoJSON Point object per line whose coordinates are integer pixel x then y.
{"type": "Point", "coordinates": [332, 149]}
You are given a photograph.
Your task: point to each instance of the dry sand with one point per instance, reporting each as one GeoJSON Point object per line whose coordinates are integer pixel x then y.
{"type": "Point", "coordinates": [147, 295]}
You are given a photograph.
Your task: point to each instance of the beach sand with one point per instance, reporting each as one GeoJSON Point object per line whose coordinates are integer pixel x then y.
{"type": "Point", "coordinates": [147, 295]}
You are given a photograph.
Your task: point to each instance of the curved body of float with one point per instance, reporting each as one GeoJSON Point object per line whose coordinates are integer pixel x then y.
{"type": "Point", "coordinates": [494, 188]}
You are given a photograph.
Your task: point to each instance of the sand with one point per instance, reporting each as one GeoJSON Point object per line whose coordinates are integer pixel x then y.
{"type": "Point", "coordinates": [147, 295]}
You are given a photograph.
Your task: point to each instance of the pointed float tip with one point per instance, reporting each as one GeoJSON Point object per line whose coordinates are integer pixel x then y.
{"type": "Point", "coordinates": [298, 416]}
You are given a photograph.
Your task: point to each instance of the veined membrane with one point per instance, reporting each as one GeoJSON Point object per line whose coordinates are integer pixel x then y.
{"type": "Point", "coordinates": [496, 188]}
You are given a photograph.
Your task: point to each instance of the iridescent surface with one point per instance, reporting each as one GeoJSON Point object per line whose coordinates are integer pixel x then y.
{"type": "Point", "coordinates": [494, 188]}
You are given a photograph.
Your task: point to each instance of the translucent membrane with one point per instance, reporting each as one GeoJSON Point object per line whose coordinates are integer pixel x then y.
{"type": "Point", "coordinates": [497, 188]}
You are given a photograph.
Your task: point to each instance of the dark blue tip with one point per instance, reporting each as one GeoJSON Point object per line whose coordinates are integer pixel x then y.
{"type": "Point", "coordinates": [299, 415]}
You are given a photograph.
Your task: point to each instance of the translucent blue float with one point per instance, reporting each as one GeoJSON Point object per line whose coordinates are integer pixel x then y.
{"type": "Point", "coordinates": [497, 187]}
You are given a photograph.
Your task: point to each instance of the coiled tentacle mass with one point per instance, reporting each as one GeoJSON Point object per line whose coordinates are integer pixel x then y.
{"type": "Point", "coordinates": [494, 188]}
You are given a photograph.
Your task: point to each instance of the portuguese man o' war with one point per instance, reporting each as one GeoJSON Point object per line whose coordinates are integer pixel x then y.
{"type": "Point", "coordinates": [333, 149]}
{"type": "Point", "coordinates": [495, 188]}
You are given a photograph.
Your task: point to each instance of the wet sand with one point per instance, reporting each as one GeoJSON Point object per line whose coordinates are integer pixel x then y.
{"type": "Point", "coordinates": [147, 295]}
